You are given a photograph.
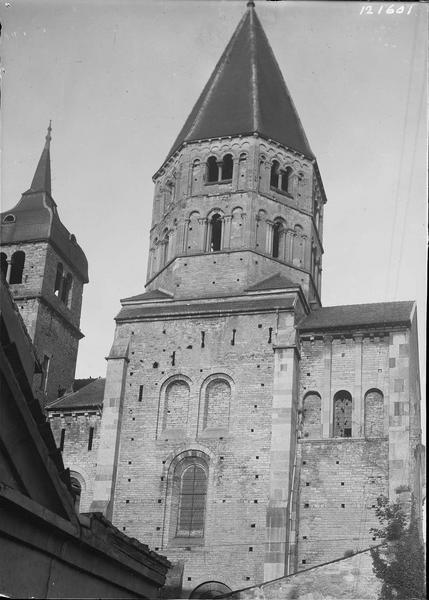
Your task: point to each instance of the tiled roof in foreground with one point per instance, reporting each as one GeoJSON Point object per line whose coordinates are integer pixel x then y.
{"type": "Point", "coordinates": [355, 315]}
{"type": "Point", "coordinates": [89, 396]}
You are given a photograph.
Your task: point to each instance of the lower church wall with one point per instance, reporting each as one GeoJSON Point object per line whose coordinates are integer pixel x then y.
{"type": "Point", "coordinates": [350, 578]}
{"type": "Point", "coordinates": [339, 482]}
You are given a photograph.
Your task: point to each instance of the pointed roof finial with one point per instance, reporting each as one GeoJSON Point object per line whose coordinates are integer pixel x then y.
{"type": "Point", "coordinates": [48, 135]}
{"type": "Point", "coordinates": [42, 177]}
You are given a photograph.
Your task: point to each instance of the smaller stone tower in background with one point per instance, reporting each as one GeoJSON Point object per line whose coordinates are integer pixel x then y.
{"type": "Point", "coordinates": [46, 270]}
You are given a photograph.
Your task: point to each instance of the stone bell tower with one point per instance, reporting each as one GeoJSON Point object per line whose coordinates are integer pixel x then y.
{"type": "Point", "coordinates": [46, 269]}
{"type": "Point", "coordinates": [198, 436]}
{"type": "Point", "coordinates": [240, 183]}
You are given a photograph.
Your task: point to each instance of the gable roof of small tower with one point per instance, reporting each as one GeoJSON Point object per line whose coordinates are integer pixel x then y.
{"type": "Point", "coordinates": [246, 93]}
{"type": "Point", "coordinates": [36, 218]}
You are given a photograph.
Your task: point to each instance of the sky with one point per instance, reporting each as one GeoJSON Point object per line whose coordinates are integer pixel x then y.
{"type": "Point", "coordinates": [118, 79]}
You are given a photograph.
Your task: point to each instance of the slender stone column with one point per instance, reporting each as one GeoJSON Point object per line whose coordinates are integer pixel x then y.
{"type": "Point", "coordinates": [108, 449]}
{"type": "Point", "coordinates": [282, 459]}
{"type": "Point", "coordinates": [203, 223]}
{"type": "Point", "coordinates": [358, 407]}
{"type": "Point", "coordinates": [327, 408]}
{"type": "Point", "coordinates": [226, 232]}
{"type": "Point", "coordinates": [185, 235]}
{"type": "Point", "coordinates": [9, 269]}
{"type": "Point", "coordinates": [269, 237]}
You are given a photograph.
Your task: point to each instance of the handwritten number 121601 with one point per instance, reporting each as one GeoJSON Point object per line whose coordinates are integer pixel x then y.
{"type": "Point", "coordinates": [391, 9]}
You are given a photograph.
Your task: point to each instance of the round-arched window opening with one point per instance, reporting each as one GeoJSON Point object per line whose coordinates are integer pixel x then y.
{"type": "Point", "coordinates": [9, 219]}
{"type": "Point", "coordinates": [277, 229]}
{"type": "Point", "coordinates": [210, 589]}
{"type": "Point", "coordinates": [227, 167]}
{"type": "Point", "coordinates": [76, 491]}
{"type": "Point", "coordinates": [215, 233]}
{"type": "Point", "coordinates": [212, 169]}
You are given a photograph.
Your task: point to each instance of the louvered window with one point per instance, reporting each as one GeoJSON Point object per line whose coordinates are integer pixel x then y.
{"type": "Point", "coordinates": [192, 502]}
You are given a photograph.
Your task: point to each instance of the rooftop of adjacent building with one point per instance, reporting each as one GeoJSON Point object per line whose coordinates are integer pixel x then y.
{"type": "Point", "coordinates": [89, 396]}
{"type": "Point", "coordinates": [35, 217]}
{"type": "Point", "coordinates": [355, 315]}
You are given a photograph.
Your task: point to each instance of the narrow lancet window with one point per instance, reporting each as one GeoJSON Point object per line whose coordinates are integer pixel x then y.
{"type": "Point", "coordinates": [215, 233]}
{"type": "Point", "coordinates": [192, 502]}
{"type": "Point", "coordinates": [274, 176]}
{"type": "Point", "coordinates": [227, 166]}
{"type": "Point", "coordinates": [342, 414]}
{"type": "Point", "coordinates": [212, 169]}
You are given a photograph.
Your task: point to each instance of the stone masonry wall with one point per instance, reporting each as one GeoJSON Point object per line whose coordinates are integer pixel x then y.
{"type": "Point", "coordinates": [184, 203]}
{"type": "Point", "coordinates": [52, 325]}
{"type": "Point", "coordinates": [77, 457]}
{"type": "Point", "coordinates": [340, 480]}
{"type": "Point", "coordinates": [236, 450]}
{"type": "Point", "coordinates": [60, 344]}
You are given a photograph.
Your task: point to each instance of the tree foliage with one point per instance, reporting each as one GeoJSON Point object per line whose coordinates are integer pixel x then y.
{"type": "Point", "coordinates": [399, 562]}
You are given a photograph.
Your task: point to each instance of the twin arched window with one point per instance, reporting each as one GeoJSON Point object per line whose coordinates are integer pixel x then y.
{"type": "Point", "coordinates": [219, 171]}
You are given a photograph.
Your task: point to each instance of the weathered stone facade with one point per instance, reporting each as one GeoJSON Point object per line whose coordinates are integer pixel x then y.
{"type": "Point", "coordinates": [246, 431]}
{"type": "Point", "coordinates": [46, 270]}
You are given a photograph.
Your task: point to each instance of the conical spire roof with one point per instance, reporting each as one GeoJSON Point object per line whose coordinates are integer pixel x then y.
{"type": "Point", "coordinates": [246, 93]}
{"type": "Point", "coordinates": [42, 177]}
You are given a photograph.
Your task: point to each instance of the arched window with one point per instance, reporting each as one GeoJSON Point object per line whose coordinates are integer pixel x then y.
{"type": "Point", "coordinates": [65, 291]}
{"type": "Point", "coordinates": [312, 416]}
{"type": "Point", "coordinates": [195, 175]}
{"type": "Point", "coordinates": [18, 260]}
{"type": "Point", "coordinates": [58, 279]}
{"type": "Point", "coordinates": [242, 164]}
{"type": "Point", "coordinates": [215, 238]}
{"type": "Point", "coordinates": [217, 400]}
{"type": "Point", "coordinates": [76, 491]}
{"type": "Point", "coordinates": [274, 175]}
{"type": "Point", "coordinates": [212, 169]}
{"type": "Point", "coordinates": [9, 219]}
{"type": "Point", "coordinates": [176, 405]}
{"type": "Point", "coordinates": [192, 501]}
{"type": "Point", "coordinates": [342, 414]}
{"type": "Point", "coordinates": [286, 179]}
{"type": "Point", "coordinates": [210, 589]}
{"type": "Point", "coordinates": [3, 264]}
{"type": "Point", "coordinates": [277, 231]}
{"type": "Point", "coordinates": [227, 167]}
{"type": "Point", "coordinates": [298, 246]}
{"type": "Point", "coordinates": [374, 414]}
